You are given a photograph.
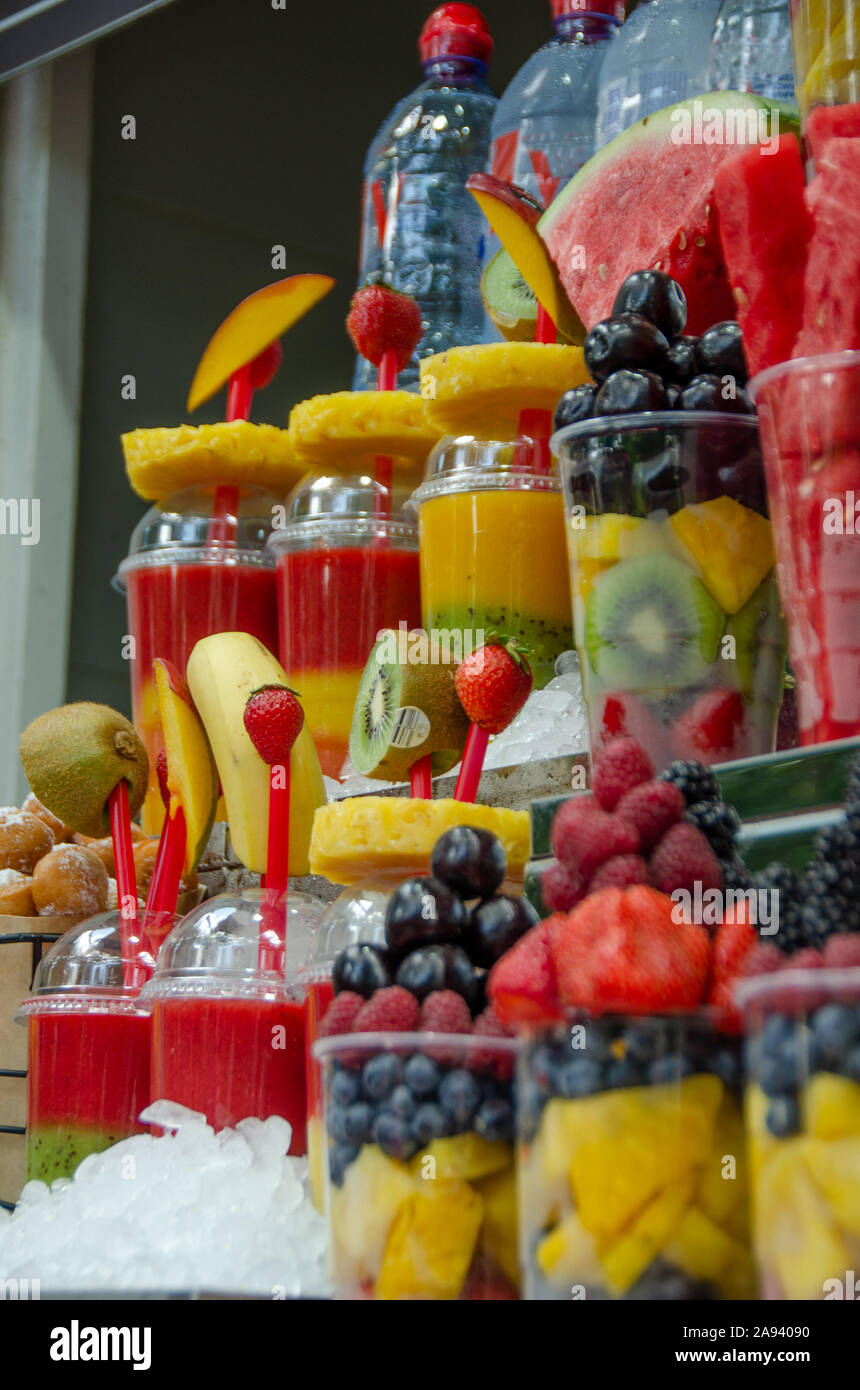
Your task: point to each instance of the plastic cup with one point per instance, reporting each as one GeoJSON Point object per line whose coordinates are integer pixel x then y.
{"type": "Point", "coordinates": [809, 411]}
{"type": "Point", "coordinates": [227, 1036]}
{"type": "Point", "coordinates": [803, 1127]}
{"type": "Point", "coordinates": [676, 607]}
{"type": "Point", "coordinates": [429, 1217]}
{"type": "Point", "coordinates": [189, 574]}
{"type": "Point", "coordinates": [493, 555]}
{"type": "Point", "coordinates": [825, 35]}
{"type": "Point", "coordinates": [347, 567]}
{"type": "Point", "coordinates": [632, 1165]}
{"type": "Point", "coordinates": [89, 1050]}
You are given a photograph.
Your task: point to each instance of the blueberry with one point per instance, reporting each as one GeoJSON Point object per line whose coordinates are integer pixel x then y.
{"type": "Point", "coordinates": [421, 1074]}
{"type": "Point", "coordinates": [339, 1158]}
{"type": "Point", "coordinates": [422, 911]}
{"type": "Point", "coordinates": [611, 476]}
{"type": "Point", "coordinates": [622, 1072]}
{"type": "Point", "coordinates": [357, 1123]}
{"type": "Point", "coordinates": [726, 1065]}
{"type": "Point", "coordinates": [655, 296]}
{"type": "Point", "coordinates": [708, 392]}
{"type": "Point", "coordinates": [598, 1043]}
{"type": "Point", "coordinates": [783, 1117]}
{"type": "Point", "coordinates": [496, 925]}
{"type": "Point", "coordinates": [777, 1033]}
{"type": "Point", "coordinates": [834, 1027]}
{"type": "Point", "coordinates": [640, 1042]}
{"type": "Point", "coordinates": [336, 1123]}
{"type": "Point", "coordinates": [630, 391]}
{"type": "Point", "coordinates": [401, 1103]}
{"type": "Point", "coordinates": [673, 396]}
{"type": "Point", "coordinates": [460, 1096]}
{"type": "Point", "coordinates": [671, 1068]}
{"type": "Point", "coordinates": [579, 1076]}
{"type": "Point", "coordinates": [494, 1120]}
{"type": "Point", "coordinates": [575, 405]}
{"type": "Point", "coordinates": [625, 341]}
{"type": "Point", "coordinates": [660, 485]}
{"type": "Point", "coordinates": [471, 862]}
{"type": "Point", "coordinates": [360, 968]}
{"type": "Point", "coordinates": [380, 1075]}
{"type": "Point", "coordinates": [439, 967]}
{"type": "Point", "coordinates": [429, 1123]}
{"type": "Point", "coordinates": [777, 1075]}
{"type": "Point", "coordinates": [542, 1065]}
{"type": "Point", "coordinates": [720, 351]}
{"type": "Point", "coordinates": [681, 364]}
{"type": "Point", "coordinates": [345, 1087]}
{"type": "Point", "coordinates": [394, 1136]}
{"type": "Point", "coordinates": [851, 1064]}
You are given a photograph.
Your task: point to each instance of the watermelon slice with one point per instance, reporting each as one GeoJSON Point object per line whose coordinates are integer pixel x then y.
{"type": "Point", "coordinates": [827, 123]}
{"type": "Point", "coordinates": [765, 228]}
{"type": "Point", "coordinates": [646, 199]}
{"type": "Point", "coordinates": [831, 304]}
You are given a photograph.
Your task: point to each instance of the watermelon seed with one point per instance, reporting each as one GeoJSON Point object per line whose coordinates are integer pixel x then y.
{"type": "Point", "coordinates": [682, 242]}
{"type": "Point", "coordinates": [603, 271]}
{"type": "Point", "coordinates": [700, 241]}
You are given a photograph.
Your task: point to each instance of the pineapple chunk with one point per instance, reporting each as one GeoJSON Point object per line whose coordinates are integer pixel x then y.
{"type": "Point", "coordinates": [835, 1168]}
{"type": "Point", "coordinates": [465, 1156]}
{"type": "Point", "coordinates": [236, 453]}
{"type": "Point", "coordinates": [701, 1249]}
{"type": "Point", "coordinates": [632, 1253]}
{"type": "Point", "coordinates": [731, 544]}
{"type": "Point", "coordinates": [348, 428]}
{"type": "Point", "coordinates": [430, 1247]}
{"type": "Point", "coordinates": [719, 1197]}
{"type": "Point", "coordinates": [498, 1236]}
{"type": "Point", "coordinates": [363, 835]}
{"type": "Point", "coordinates": [831, 1107]}
{"type": "Point", "coordinates": [567, 1255]}
{"type": "Point", "coordinates": [795, 1229]}
{"type": "Point", "coordinates": [362, 1211]}
{"type": "Point", "coordinates": [482, 390]}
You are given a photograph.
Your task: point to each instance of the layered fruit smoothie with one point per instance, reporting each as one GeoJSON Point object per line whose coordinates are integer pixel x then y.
{"type": "Point", "coordinates": [810, 422]}
{"type": "Point", "coordinates": [677, 612]}
{"type": "Point", "coordinates": [825, 36]}
{"type": "Point", "coordinates": [493, 559]}
{"type": "Point", "coordinates": [421, 1195]}
{"type": "Point", "coordinates": [320, 992]}
{"type": "Point", "coordinates": [803, 1126]}
{"type": "Point", "coordinates": [88, 1080]}
{"type": "Point", "coordinates": [232, 1057]}
{"type": "Point", "coordinates": [632, 1168]}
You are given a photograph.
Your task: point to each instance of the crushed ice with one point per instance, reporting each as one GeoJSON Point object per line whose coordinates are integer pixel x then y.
{"type": "Point", "coordinates": [185, 1211]}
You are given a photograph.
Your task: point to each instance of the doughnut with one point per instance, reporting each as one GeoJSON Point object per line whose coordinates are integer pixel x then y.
{"type": "Point", "coordinates": [144, 863]}
{"type": "Point", "coordinates": [24, 839]}
{"type": "Point", "coordinates": [102, 848]}
{"type": "Point", "coordinates": [34, 807]}
{"type": "Point", "coordinates": [71, 881]}
{"type": "Point", "coordinates": [16, 894]}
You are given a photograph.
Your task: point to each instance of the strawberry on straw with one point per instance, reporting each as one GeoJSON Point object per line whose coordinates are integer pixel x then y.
{"type": "Point", "coordinates": [493, 684]}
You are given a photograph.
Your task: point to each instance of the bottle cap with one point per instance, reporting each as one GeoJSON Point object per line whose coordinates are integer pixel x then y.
{"type": "Point", "coordinates": [613, 8]}
{"type": "Point", "coordinates": [455, 31]}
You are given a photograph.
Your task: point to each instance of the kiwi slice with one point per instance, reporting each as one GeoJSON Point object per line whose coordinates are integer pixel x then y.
{"type": "Point", "coordinates": [760, 641]}
{"type": "Point", "coordinates": [406, 709]}
{"type": "Point", "coordinates": [510, 303]}
{"type": "Point", "coordinates": [75, 755]}
{"type": "Point", "coordinates": [650, 624]}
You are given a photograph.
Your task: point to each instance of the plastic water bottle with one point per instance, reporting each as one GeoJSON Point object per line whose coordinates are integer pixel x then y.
{"type": "Point", "coordinates": [751, 49]}
{"type": "Point", "coordinates": [661, 57]}
{"type": "Point", "coordinates": [544, 127]}
{"type": "Point", "coordinates": [422, 232]}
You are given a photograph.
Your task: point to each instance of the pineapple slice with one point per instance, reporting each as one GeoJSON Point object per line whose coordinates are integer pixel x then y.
{"type": "Point", "coordinates": [235, 453]}
{"type": "Point", "coordinates": [348, 428]}
{"type": "Point", "coordinates": [363, 835]}
{"type": "Point", "coordinates": [482, 390]}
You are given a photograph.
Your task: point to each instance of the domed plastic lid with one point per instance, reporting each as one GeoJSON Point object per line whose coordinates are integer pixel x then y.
{"type": "Point", "coordinates": [85, 965]}
{"type": "Point", "coordinates": [455, 31]}
{"type": "Point", "coordinates": [357, 915]}
{"type": "Point", "coordinates": [468, 464]}
{"type": "Point", "coordinates": [352, 509]}
{"type": "Point", "coordinates": [215, 950]}
{"type": "Point", "coordinates": [613, 8]}
{"type": "Point", "coordinates": [185, 529]}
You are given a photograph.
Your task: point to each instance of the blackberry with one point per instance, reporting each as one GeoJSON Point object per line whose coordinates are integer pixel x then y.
{"type": "Point", "coordinates": [782, 879]}
{"type": "Point", "coordinates": [718, 822]}
{"type": "Point", "coordinates": [736, 875]}
{"type": "Point", "coordinates": [694, 781]}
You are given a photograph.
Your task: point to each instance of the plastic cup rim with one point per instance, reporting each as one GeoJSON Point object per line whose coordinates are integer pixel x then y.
{"type": "Point", "coordinates": [797, 366]}
{"type": "Point", "coordinates": [660, 419]}
{"type": "Point", "coordinates": [324, 1048]}
{"type": "Point", "coordinates": [833, 980]}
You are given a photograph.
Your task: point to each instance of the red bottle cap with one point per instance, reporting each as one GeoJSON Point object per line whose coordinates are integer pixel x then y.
{"type": "Point", "coordinates": [613, 8]}
{"type": "Point", "coordinates": [455, 31]}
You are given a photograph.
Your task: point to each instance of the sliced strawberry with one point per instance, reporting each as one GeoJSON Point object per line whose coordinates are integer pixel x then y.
{"type": "Point", "coordinates": [522, 984]}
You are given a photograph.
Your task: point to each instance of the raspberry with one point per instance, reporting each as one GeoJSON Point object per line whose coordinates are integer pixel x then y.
{"type": "Point", "coordinates": [842, 952]}
{"type": "Point", "coordinates": [569, 819]}
{"type": "Point", "coordinates": [522, 985]}
{"type": "Point", "coordinates": [651, 808]}
{"type": "Point", "coordinates": [684, 858]}
{"type": "Point", "coordinates": [341, 1014]}
{"type": "Point", "coordinates": [561, 888]}
{"type": "Point", "coordinates": [487, 1025]}
{"type": "Point", "coordinates": [623, 765]}
{"type": "Point", "coordinates": [763, 959]}
{"type": "Point", "coordinates": [793, 992]}
{"type": "Point", "coordinates": [389, 1010]}
{"type": "Point", "coordinates": [621, 871]}
{"type": "Point", "coordinates": [808, 959]}
{"type": "Point", "coordinates": [443, 1011]}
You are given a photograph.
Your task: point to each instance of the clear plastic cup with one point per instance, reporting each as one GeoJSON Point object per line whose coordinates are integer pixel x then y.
{"type": "Point", "coordinates": [421, 1189]}
{"type": "Point", "coordinates": [227, 1026]}
{"type": "Point", "coordinates": [632, 1162]}
{"type": "Point", "coordinates": [803, 1128]}
{"type": "Point", "coordinates": [809, 411]}
{"type": "Point", "coordinates": [493, 556]}
{"type": "Point", "coordinates": [88, 1050]}
{"type": "Point", "coordinates": [347, 567]}
{"type": "Point", "coordinates": [676, 607]}
{"type": "Point", "coordinates": [191, 572]}
{"type": "Point", "coordinates": [825, 35]}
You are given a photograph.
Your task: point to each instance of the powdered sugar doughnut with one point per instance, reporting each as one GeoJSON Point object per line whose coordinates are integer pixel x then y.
{"type": "Point", "coordinates": [103, 849]}
{"type": "Point", "coordinates": [70, 882]}
{"type": "Point", "coordinates": [16, 894]}
{"type": "Point", "coordinates": [34, 807]}
{"type": "Point", "coordinates": [24, 839]}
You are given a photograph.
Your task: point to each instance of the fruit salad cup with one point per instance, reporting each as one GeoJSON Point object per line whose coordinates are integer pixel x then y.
{"type": "Point", "coordinates": [825, 36]}
{"type": "Point", "coordinates": [676, 608]}
{"type": "Point", "coordinates": [347, 567]}
{"type": "Point", "coordinates": [88, 1051]}
{"type": "Point", "coordinates": [810, 425]}
{"type": "Point", "coordinates": [632, 1176]}
{"type": "Point", "coordinates": [421, 1198]}
{"type": "Point", "coordinates": [188, 574]}
{"type": "Point", "coordinates": [493, 553]}
{"type": "Point", "coordinates": [228, 1031]}
{"type": "Point", "coordinates": [803, 1127]}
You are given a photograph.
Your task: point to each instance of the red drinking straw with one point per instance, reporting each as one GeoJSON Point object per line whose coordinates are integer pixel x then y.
{"type": "Point", "coordinates": [421, 778]}
{"type": "Point", "coordinates": [271, 954]}
{"type": "Point", "coordinates": [240, 394]}
{"type": "Point", "coordinates": [133, 970]}
{"type": "Point", "coordinates": [536, 425]}
{"type": "Point", "coordinates": [386, 381]}
{"type": "Point", "coordinates": [472, 764]}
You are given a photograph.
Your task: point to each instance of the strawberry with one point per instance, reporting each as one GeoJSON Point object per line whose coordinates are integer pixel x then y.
{"type": "Point", "coordinates": [380, 320]}
{"type": "Point", "coordinates": [273, 719]}
{"type": "Point", "coordinates": [522, 985]}
{"type": "Point", "coordinates": [622, 765]}
{"type": "Point", "coordinates": [265, 364]}
{"type": "Point", "coordinates": [161, 773]}
{"type": "Point", "coordinates": [622, 951]}
{"type": "Point", "coordinates": [734, 943]}
{"type": "Point", "coordinates": [623, 716]}
{"type": "Point", "coordinates": [493, 684]}
{"type": "Point", "coordinates": [710, 729]}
